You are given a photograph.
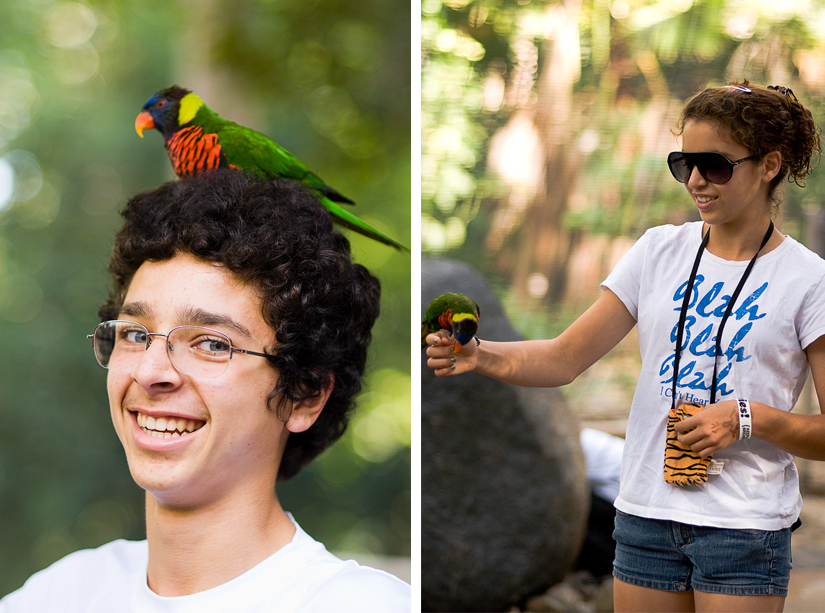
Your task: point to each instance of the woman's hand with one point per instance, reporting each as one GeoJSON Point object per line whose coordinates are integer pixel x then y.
{"type": "Point", "coordinates": [442, 359]}
{"type": "Point", "coordinates": [712, 429]}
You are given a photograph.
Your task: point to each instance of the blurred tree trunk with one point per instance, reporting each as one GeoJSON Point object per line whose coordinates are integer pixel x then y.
{"type": "Point", "coordinates": [546, 246]}
{"type": "Point", "coordinates": [199, 69]}
{"type": "Point", "coordinates": [815, 229]}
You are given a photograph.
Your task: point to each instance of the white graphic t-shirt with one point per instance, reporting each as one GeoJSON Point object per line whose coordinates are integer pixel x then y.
{"type": "Point", "coordinates": [780, 311]}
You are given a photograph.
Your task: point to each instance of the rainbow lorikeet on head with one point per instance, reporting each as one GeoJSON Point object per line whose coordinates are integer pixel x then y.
{"type": "Point", "coordinates": [454, 312]}
{"type": "Point", "coordinates": [198, 139]}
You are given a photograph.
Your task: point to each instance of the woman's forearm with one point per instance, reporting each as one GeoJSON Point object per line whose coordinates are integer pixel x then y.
{"type": "Point", "coordinates": [539, 363]}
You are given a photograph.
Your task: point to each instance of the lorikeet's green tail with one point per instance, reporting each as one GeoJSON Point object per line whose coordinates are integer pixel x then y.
{"type": "Point", "coordinates": [343, 217]}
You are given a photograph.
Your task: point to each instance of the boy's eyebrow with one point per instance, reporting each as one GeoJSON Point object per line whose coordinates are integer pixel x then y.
{"type": "Point", "coordinates": [136, 309]}
{"type": "Point", "coordinates": [198, 317]}
{"type": "Point", "coordinates": [188, 316]}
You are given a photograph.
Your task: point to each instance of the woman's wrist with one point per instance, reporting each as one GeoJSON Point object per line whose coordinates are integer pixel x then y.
{"type": "Point", "coordinates": [745, 419]}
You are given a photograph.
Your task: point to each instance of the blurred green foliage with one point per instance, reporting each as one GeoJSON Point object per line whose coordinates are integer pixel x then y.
{"type": "Point", "coordinates": [330, 81]}
{"type": "Point", "coordinates": [546, 125]}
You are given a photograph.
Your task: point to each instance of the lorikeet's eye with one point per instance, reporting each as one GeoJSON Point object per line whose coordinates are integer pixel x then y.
{"type": "Point", "coordinates": [161, 103]}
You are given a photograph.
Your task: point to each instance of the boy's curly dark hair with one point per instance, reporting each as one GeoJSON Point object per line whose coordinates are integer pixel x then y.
{"type": "Point", "coordinates": [279, 239]}
{"type": "Point", "coordinates": [761, 120]}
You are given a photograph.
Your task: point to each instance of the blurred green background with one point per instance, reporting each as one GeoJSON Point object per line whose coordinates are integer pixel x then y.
{"type": "Point", "coordinates": [546, 126]}
{"type": "Point", "coordinates": [330, 81]}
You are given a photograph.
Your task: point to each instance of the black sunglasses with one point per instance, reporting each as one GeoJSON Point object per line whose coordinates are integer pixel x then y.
{"type": "Point", "coordinates": [714, 167]}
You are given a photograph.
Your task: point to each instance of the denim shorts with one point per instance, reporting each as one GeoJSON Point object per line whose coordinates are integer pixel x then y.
{"type": "Point", "coordinates": [668, 555]}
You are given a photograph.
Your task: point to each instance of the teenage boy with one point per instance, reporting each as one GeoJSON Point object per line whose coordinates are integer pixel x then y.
{"type": "Point", "coordinates": [235, 336]}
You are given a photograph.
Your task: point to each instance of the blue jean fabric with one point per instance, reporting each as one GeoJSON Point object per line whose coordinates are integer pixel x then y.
{"type": "Point", "coordinates": [668, 555]}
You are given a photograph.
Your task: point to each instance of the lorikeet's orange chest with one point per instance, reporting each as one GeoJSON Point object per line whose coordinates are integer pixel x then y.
{"type": "Point", "coordinates": [191, 151]}
{"type": "Point", "coordinates": [445, 320]}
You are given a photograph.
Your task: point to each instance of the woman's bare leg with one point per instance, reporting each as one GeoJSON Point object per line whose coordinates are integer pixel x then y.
{"type": "Point", "coordinates": [726, 603]}
{"type": "Point", "coordinates": [629, 598]}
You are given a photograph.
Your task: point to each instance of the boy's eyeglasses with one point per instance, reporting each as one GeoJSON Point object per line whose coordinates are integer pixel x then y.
{"type": "Point", "coordinates": [192, 350]}
{"type": "Point", "coordinates": [714, 167]}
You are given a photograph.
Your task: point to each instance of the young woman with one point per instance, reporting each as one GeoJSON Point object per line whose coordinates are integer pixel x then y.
{"type": "Point", "coordinates": [745, 306]}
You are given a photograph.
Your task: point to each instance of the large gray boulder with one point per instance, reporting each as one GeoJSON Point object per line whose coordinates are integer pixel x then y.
{"type": "Point", "coordinates": [504, 493]}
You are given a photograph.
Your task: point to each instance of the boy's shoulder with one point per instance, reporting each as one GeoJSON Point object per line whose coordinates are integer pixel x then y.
{"type": "Point", "coordinates": [340, 584]}
{"type": "Point", "coordinates": [76, 580]}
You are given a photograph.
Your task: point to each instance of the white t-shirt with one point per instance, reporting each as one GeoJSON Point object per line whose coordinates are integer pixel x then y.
{"type": "Point", "coordinates": [301, 576]}
{"type": "Point", "coordinates": [602, 461]}
{"type": "Point", "coordinates": [780, 311]}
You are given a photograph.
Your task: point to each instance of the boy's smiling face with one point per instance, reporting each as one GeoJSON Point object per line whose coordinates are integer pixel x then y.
{"type": "Point", "coordinates": [231, 440]}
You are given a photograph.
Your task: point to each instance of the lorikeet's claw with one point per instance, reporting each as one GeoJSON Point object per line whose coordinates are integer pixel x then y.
{"type": "Point", "coordinates": [143, 122]}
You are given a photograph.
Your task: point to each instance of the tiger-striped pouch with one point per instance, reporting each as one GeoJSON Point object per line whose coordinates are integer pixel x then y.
{"type": "Point", "coordinates": [682, 465]}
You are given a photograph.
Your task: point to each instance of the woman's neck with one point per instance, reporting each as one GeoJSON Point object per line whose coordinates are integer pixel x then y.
{"type": "Point", "coordinates": [742, 242]}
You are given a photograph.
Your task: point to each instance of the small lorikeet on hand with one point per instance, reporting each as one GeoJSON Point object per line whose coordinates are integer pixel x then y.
{"type": "Point", "coordinates": [198, 139]}
{"type": "Point", "coordinates": [454, 312]}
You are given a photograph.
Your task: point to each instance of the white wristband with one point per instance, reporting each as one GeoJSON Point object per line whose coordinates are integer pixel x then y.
{"type": "Point", "coordinates": [745, 425]}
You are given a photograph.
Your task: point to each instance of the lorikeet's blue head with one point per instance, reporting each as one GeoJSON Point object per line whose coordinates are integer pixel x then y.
{"type": "Point", "coordinates": [161, 112]}
{"type": "Point", "coordinates": [465, 326]}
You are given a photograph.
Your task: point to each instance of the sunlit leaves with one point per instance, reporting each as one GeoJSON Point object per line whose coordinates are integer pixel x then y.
{"type": "Point", "coordinates": [639, 58]}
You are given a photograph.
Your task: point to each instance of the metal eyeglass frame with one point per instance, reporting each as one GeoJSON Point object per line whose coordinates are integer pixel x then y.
{"type": "Point", "coordinates": [149, 335]}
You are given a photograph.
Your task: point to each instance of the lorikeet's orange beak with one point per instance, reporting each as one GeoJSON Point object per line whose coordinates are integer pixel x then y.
{"type": "Point", "coordinates": [143, 122]}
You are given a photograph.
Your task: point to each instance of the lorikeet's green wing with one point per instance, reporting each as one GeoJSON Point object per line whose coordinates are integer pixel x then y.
{"type": "Point", "coordinates": [427, 327]}
{"type": "Point", "coordinates": [258, 155]}
{"type": "Point", "coordinates": [430, 323]}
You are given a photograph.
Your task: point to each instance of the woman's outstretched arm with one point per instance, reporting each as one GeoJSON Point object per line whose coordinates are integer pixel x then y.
{"type": "Point", "coordinates": [540, 363]}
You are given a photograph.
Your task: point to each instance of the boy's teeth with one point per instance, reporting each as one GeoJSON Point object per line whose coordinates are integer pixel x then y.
{"type": "Point", "coordinates": [167, 427]}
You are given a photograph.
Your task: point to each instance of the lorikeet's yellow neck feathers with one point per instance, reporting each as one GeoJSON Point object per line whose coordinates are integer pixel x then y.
{"type": "Point", "coordinates": [462, 316]}
{"type": "Point", "coordinates": [189, 106]}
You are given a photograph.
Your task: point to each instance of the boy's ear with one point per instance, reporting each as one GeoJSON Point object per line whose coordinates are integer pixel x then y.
{"type": "Point", "coordinates": [305, 412]}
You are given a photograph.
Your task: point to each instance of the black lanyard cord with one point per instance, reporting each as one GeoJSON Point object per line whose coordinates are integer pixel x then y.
{"type": "Point", "coordinates": [680, 329]}
{"type": "Point", "coordinates": [683, 313]}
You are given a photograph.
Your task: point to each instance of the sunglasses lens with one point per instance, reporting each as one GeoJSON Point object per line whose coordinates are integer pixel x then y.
{"type": "Point", "coordinates": [678, 166]}
{"type": "Point", "coordinates": [715, 168]}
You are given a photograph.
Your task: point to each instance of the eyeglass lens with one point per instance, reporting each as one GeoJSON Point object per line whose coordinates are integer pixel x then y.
{"type": "Point", "coordinates": [714, 167]}
{"type": "Point", "coordinates": [194, 351]}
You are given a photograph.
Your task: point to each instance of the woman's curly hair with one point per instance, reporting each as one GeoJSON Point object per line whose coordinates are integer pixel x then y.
{"type": "Point", "coordinates": [762, 120]}
{"type": "Point", "coordinates": [276, 237]}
